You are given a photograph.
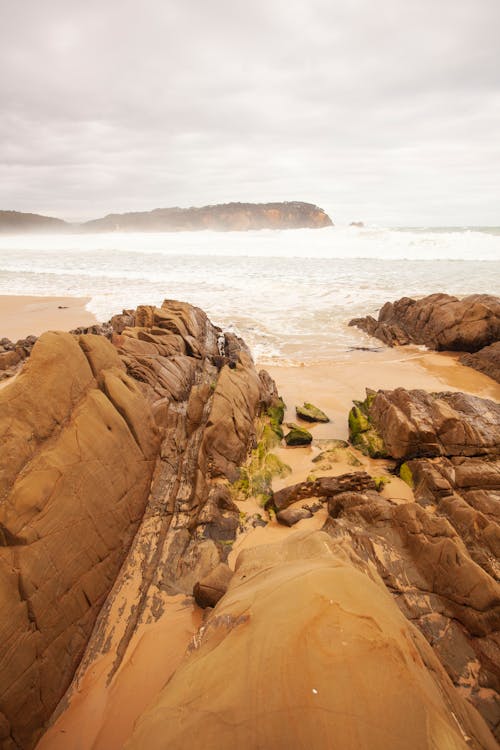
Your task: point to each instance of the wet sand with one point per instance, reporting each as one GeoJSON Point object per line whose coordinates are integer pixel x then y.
{"type": "Point", "coordinates": [333, 386]}
{"type": "Point", "coordinates": [25, 316]}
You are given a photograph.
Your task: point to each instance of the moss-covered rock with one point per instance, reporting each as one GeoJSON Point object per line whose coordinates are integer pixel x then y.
{"type": "Point", "coordinates": [406, 474]}
{"type": "Point", "coordinates": [336, 451]}
{"type": "Point", "coordinates": [311, 413]}
{"type": "Point", "coordinates": [362, 432]}
{"type": "Point", "coordinates": [298, 436]}
{"type": "Point", "coordinates": [255, 479]}
{"type": "Point", "coordinates": [276, 414]}
{"type": "Point", "coordinates": [380, 482]}
{"type": "Point", "coordinates": [358, 422]}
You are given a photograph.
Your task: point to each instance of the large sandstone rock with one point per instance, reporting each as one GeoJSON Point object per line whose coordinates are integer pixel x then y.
{"type": "Point", "coordinates": [344, 668]}
{"type": "Point", "coordinates": [205, 394]}
{"type": "Point", "coordinates": [439, 559]}
{"type": "Point", "coordinates": [445, 323]}
{"type": "Point", "coordinates": [442, 564]}
{"type": "Point", "coordinates": [78, 450]}
{"type": "Point", "coordinates": [439, 321]}
{"type": "Point", "coordinates": [416, 423]}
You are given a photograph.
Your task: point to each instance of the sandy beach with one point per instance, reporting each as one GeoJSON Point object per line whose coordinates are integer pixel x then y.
{"type": "Point", "coordinates": [25, 316]}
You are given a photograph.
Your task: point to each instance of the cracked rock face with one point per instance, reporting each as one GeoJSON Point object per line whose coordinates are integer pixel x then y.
{"type": "Point", "coordinates": [417, 423]}
{"type": "Point", "coordinates": [104, 447]}
{"type": "Point", "coordinates": [444, 323]}
{"type": "Point", "coordinates": [439, 556]}
{"type": "Point", "coordinates": [78, 449]}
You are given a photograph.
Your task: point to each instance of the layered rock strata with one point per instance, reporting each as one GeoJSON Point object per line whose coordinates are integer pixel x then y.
{"type": "Point", "coordinates": [104, 445]}
{"type": "Point", "coordinates": [444, 323]}
{"type": "Point", "coordinates": [439, 555]}
{"type": "Point", "coordinates": [78, 449]}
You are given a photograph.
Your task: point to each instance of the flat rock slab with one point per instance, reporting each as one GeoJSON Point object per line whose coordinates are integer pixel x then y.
{"type": "Point", "coordinates": [358, 481]}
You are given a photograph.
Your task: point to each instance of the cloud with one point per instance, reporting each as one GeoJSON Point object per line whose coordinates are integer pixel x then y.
{"type": "Point", "coordinates": [387, 112]}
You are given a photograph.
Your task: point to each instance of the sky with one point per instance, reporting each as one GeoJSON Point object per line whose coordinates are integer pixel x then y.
{"type": "Point", "coordinates": [387, 112]}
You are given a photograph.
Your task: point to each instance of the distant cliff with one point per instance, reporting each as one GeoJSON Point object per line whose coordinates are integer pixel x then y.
{"type": "Point", "coordinates": [225, 217]}
{"type": "Point", "coordinates": [15, 221]}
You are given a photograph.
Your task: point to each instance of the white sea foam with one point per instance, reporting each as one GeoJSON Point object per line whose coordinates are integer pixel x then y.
{"type": "Point", "coordinates": [290, 294]}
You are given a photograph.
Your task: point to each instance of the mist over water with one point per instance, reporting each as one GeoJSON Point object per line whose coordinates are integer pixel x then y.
{"type": "Point", "coordinates": [290, 294]}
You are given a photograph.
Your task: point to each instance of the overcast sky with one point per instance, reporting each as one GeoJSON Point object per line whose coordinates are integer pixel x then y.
{"type": "Point", "coordinates": [384, 111]}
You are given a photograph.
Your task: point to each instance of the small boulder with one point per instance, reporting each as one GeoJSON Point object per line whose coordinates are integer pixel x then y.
{"type": "Point", "coordinates": [210, 589]}
{"type": "Point", "coordinates": [298, 436]}
{"type": "Point", "coordinates": [291, 516]}
{"type": "Point", "coordinates": [311, 413]}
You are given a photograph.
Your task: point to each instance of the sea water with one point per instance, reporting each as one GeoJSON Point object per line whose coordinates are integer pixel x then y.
{"type": "Point", "coordinates": [290, 294]}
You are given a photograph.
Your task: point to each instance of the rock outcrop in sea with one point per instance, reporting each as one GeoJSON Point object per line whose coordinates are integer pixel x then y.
{"type": "Point", "coordinates": [444, 323]}
{"type": "Point", "coordinates": [222, 217]}
{"type": "Point", "coordinates": [136, 453]}
{"type": "Point", "coordinates": [225, 217]}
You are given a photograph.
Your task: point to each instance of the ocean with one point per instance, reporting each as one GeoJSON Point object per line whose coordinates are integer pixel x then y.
{"type": "Point", "coordinates": [289, 294]}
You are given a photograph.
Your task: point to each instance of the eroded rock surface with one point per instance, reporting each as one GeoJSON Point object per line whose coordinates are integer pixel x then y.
{"type": "Point", "coordinates": [104, 445]}
{"type": "Point", "coordinates": [78, 449]}
{"type": "Point", "coordinates": [344, 668]}
{"type": "Point", "coordinates": [406, 424]}
{"type": "Point", "coordinates": [439, 556]}
{"type": "Point", "coordinates": [444, 323]}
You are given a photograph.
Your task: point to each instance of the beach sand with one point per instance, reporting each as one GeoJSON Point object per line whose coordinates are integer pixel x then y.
{"type": "Point", "coordinates": [24, 316]}
{"type": "Point", "coordinates": [100, 715]}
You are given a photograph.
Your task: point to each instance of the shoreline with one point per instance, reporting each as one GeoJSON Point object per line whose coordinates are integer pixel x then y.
{"type": "Point", "coordinates": [332, 385]}
{"type": "Point", "coordinates": [23, 316]}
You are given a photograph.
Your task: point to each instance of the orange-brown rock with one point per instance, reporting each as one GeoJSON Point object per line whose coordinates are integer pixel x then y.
{"type": "Point", "coordinates": [213, 586]}
{"type": "Point", "coordinates": [308, 649]}
{"type": "Point", "coordinates": [441, 322]}
{"type": "Point", "coordinates": [438, 557]}
{"type": "Point", "coordinates": [322, 487]}
{"type": "Point", "coordinates": [486, 360]}
{"type": "Point", "coordinates": [78, 450]}
{"type": "Point", "coordinates": [416, 423]}
{"type": "Point", "coordinates": [204, 392]}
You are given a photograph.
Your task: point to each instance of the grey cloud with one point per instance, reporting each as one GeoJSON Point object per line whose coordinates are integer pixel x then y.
{"type": "Point", "coordinates": [386, 111]}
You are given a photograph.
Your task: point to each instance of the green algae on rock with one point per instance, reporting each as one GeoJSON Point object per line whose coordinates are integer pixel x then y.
{"type": "Point", "coordinates": [298, 436]}
{"type": "Point", "coordinates": [362, 432]}
{"type": "Point", "coordinates": [276, 414]}
{"type": "Point", "coordinates": [406, 475]}
{"type": "Point", "coordinates": [256, 475]}
{"type": "Point", "coordinates": [310, 413]}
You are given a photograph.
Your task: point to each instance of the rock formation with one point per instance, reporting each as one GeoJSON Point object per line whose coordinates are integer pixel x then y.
{"type": "Point", "coordinates": [12, 355]}
{"type": "Point", "coordinates": [439, 556]}
{"type": "Point", "coordinates": [78, 449]}
{"type": "Point", "coordinates": [226, 217]}
{"type": "Point", "coordinates": [308, 649]}
{"type": "Point", "coordinates": [444, 323]}
{"type": "Point", "coordinates": [96, 440]}
{"type": "Point", "coordinates": [128, 450]}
